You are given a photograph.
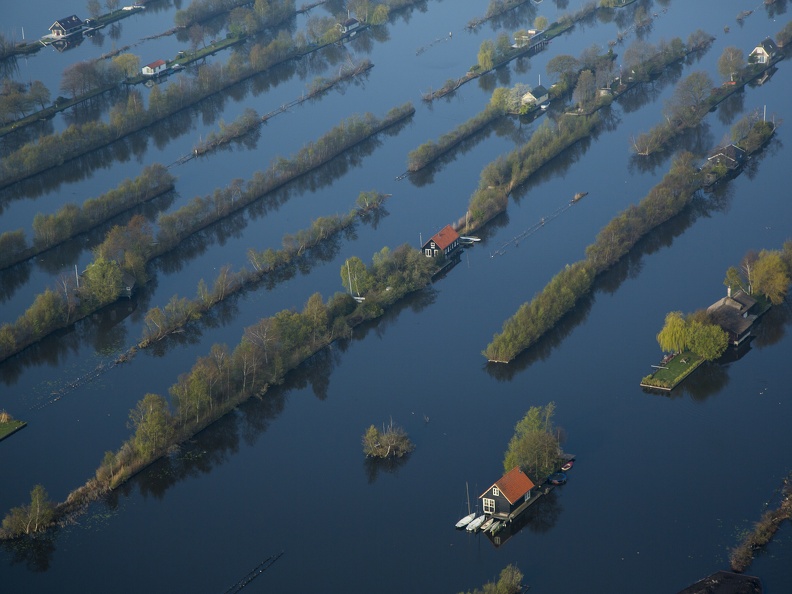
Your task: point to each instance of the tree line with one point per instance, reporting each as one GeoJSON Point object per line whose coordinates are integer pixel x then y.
{"type": "Point", "coordinates": [161, 321]}
{"type": "Point", "coordinates": [225, 377]}
{"type": "Point", "coordinates": [126, 250]}
{"type": "Point", "coordinates": [534, 318]}
{"type": "Point", "coordinates": [131, 114]}
{"type": "Point", "coordinates": [50, 230]}
{"type": "Point", "coordinates": [499, 178]}
{"type": "Point", "coordinates": [431, 150]}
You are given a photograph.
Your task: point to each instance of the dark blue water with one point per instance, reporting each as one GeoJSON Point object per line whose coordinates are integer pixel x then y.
{"type": "Point", "coordinates": [663, 485]}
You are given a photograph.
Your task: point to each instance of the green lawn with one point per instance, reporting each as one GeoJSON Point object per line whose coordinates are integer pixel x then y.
{"type": "Point", "coordinates": [8, 427]}
{"type": "Point", "coordinates": [675, 371]}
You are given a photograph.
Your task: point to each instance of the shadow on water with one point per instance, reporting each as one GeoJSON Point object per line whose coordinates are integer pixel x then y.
{"type": "Point", "coordinates": [35, 553]}
{"type": "Point", "coordinates": [104, 332]}
{"type": "Point", "coordinates": [217, 443]}
{"type": "Point", "coordinates": [540, 518]}
{"type": "Point", "coordinates": [373, 466]}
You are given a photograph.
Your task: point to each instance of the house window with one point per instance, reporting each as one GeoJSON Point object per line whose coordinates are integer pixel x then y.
{"type": "Point", "coordinates": [488, 505]}
{"type": "Point", "coordinates": [428, 252]}
{"type": "Point", "coordinates": [495, 492]}
{"type": "Point", "coordinates": [527, 495]}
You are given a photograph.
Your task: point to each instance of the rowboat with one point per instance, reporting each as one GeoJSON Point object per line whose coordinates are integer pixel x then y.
{"type": "Point", "coordinates": [559, 478]}
{"type": "Point", "coordinates": [567, 466]}
{"type": "Point", "coordinates": [486, 525]}
{"type": "Point", "coordinates": [496, 525]}
{"type": "Point", "coordinates": [466, 520]}
{"type": "Point", "coordinates": [474, 525]}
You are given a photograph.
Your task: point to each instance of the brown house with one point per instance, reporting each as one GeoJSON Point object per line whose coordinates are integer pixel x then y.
{"type": "Point", "coordinates": [511, 491]}
{"type": "Point", "coordinates": [443, 242]}
{"type": "Point", "coordinates": [66, 26]}
{"type": "Point", "coordinates": [732, 313]}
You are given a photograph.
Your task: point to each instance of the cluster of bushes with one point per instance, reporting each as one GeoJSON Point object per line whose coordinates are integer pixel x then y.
{"type": "Point", "coordinates": [391, 442]}
{"type": "Point", "coordinates": [17, 99]}
{"type": "Point", "coordinates": [51, 229]}
{"type": "Point", "coordinates": [501, 176]}
{"type": "Point", "coordinates": [265, 13]}
{"type": "Point", "coordinates": [509, 582]}
{"type": "Point", "coordinates": [763, 531]}
{"type": "Point", "coordinates": [534, 447]}
{"type": "Point", "coordinates": [429, 151]}
{"type": "Point", "coordinates": [224, 378]}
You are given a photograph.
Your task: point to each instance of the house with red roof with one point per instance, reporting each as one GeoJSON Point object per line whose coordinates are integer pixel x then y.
{"type": "Point", "coordinates": [504, 498]}
{"type": "Point", "coordinates": [154, 68]}
{"type": "Point", "coordinates": [443, 242]}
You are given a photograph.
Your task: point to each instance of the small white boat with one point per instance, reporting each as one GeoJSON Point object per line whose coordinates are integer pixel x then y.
{"type": "Point", "coordinates": [486, 525]}
{"type": "Point", "coordinates": [465, 521]}
{"type": "Point", "coordinates": [468, 239]}
{"type": "Point", "coordinates": [496, 525]}
{"type": "Point", "coordinates": [474, 525]}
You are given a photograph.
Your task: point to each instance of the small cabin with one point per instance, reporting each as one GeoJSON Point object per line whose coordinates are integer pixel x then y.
{"type": "Point", "coordinates": [443, 242]}
{"type": "Point", "coordinates": [528, 37]}
{"type": "Point", "coordinates": [732, 314]}
{"type": "Point", "coordinates": [764, 52]}
{"type": "Point", "coordinates": [349, 26]}
{"type": "Point", "coordinates": [504, 497]}
{"type": "Point", "coordinates": [537, 96]}
{"type": "Point", "coordinates": [128, 283]}
{"type": "Point", "coordinates": [154, 68]}
{"type": "Point", "coordinates": [66, 26]}
{"type": "Point", "coordinates": [731, 156]}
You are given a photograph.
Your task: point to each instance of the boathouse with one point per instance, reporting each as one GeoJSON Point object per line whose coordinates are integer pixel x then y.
{"type": "Point", "coordinates": [764, 52]}
{"type": "Point", "coordinates": [510, 492]}
{"type": "Point", "coordinates": [732, 313]}
{"type": "Point", "coordinates": [537, 96]}
{"type": "Point", "coordinates": [349, 26]}
{"type": "Point", "coordinates": [154, 68]}
{"type": "Point", "coordinates": [128, 283]}
{"type": "Point", "coordinates": [731, 156]}
{"type": "Point", "coordinates": [66, 26]}
{"type": "Point", "coordinates": [443, 242]}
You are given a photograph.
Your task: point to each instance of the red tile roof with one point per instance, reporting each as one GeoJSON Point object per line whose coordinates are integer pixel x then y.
{"type": "Point", "coordinates": [156, 64]}
{"type": "Point", "coordinates": [514, 484]}
{"type": "Point", "coordinates": [445, 237]}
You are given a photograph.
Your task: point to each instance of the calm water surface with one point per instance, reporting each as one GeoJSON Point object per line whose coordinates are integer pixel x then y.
{"type": "Point", "coordinates": [664, 484]}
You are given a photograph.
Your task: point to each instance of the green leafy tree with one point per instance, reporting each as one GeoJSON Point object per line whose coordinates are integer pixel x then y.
{"type": "Point", "coordinates": [29, 519]}
{"type": "Point", "coordinates": [39, 93]}
{"type": "Point", "coordinates": [771, 277]}
{"type": "Point", "coordinates": [689, 98]}
{"type": "Point", "coordinates": [534, 446]}
{"type": "Point", "coordinates": [128, 64]}
{"type": "Point", "coordinates": [380, 15]}
{"type": "Point", "coordinates": [731, 62]}
{"type": "Point", "coordinates": [540, 22]}
{"type": "Point", "coordinates": [734, 279]}
{"type": "Point", "coordinates": [509, 582]}
{"type": "Point", "coordinates": [94, 8]}
{"type": "Point", "coordinates": [355, 276]}
{"type": "Point", "coordinates": [152, 425]}
{"type": "Point", "coordinates": [391, 442]}
{"type": "Point", "coordinates": [708, 340]}
{"type": "Point", "coordinates": [675, 334]}
{"type": "Point", "coordinates": [101, 282]}
{"type": "Point", "coordinates": [585, 91]}
{"type": "Point", "coordinates": [486, 55]}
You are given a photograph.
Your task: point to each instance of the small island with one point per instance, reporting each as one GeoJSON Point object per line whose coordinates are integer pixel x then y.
{"type": "Point", "coordinates": [9, 425]}
{"type": "Point", "coordinates": [391, 442]}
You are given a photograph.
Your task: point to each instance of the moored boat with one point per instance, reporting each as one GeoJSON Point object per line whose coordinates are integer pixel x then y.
{"type": "Point", "coordinates": [567, 466]}
{"type": "Point", "coordinates": [474, 524]}
{"type": "Point", "coordinates": [559, 478]}
{"type": "Point", "coordinates": [496, 525]}
{"type": "Point", "coordinates": [466, 520]}
{"type": "Point", "coordinates": [578, 196]}
{"type": "Point", "coordinates": [486, 525]}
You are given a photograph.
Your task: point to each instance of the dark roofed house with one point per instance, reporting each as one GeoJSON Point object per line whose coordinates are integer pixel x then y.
{"type": "Point", "coordinates": [128, 283]}
{"type": "Point", "coordinates": [348, 26]}
{"type": "Point", "coordinates": [511, 491]}
{"type": "Point", "coordinates": [764, 52]}
{"type": "Point", "coordinates": [444, 242]}
{"type": "Point", "coordinates": [731, 156]}
{"type": "Point", "coordinates": [537, 95]}
{"type": "Point", "coordinates": [66, 26]}
{"type": "Point", "coordinates": [732, 313]}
